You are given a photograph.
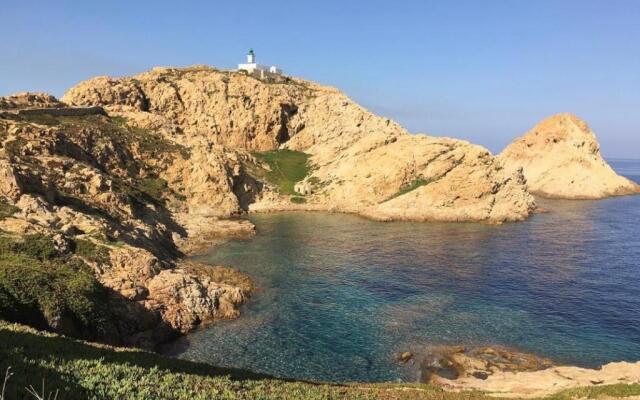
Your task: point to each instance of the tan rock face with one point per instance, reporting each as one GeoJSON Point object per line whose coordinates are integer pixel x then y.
{"type": "Point", "coordinates": [446, 363]}
{"type": "Point", "coordinates": [361, 163]}
{"type": "Point", "coordinates": [28, 100]}
{"type": "Point", "coordinates": [371, 165]}
{"type": "Point", "coordinates": [538, 384]}
{"type": "Point", "coordinates": [561, 158]}
{"type": "Point", "coordinates": [503, 372]}
{"type": "Point", "coordinates": [229, 108]}
{"type": "Point", "coordinates": [9, 186]}
{"type": "Point", "coordinates": [89, 179]}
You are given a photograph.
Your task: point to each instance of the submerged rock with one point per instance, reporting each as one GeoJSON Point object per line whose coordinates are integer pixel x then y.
{"type": "Point", "coordinates": [404, 357]}
{"type": "Point", "coordinates": [455, 362]}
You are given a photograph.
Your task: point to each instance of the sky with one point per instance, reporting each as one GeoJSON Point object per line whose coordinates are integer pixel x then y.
{"type": "Point", "coordinates": [481, 70]}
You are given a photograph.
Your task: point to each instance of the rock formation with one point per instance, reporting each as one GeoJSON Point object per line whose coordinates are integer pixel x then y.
{"type": "Point", "coordinates": [502, 372]}
{"type": "Point", "coordinates": [545, 382]}
{"type": "Point", "coordinates": [153, 164]}
{"type": "Point", "coordinates": [560, 158]}
{"type": "Point", "coordinates": [360, 162]}
{"type": "Point", "coordinates": [95, 185]}
{"type": "Point", "coordinates": [459, 362]}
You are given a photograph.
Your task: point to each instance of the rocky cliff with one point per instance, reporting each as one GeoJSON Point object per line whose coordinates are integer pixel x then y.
{"type": "Point", "coordinates": [560, 157]}
{"type": "Point", "coordinates": [357, 162]}
{"type": "Point", "coordinates": [85, 194]}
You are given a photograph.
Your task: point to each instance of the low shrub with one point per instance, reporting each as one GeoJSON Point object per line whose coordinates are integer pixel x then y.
{"type": "Point", "coordinates": [41, 287]}
{"type": "Point", "coordinates": [298, 200]}
{"type": "Point", "coordinates": [7, 209]}
{"type": "Point", "coordinates": [92, 252]}
{"type": "Point", "coordinates": [153, 187]}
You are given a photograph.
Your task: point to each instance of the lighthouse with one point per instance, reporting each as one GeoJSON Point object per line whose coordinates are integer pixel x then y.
{"type": "Point", "coordinates": [257, 70]}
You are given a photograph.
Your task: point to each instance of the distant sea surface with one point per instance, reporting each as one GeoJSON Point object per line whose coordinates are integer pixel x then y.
{"type": "Point", "coordinates": [339, 294]}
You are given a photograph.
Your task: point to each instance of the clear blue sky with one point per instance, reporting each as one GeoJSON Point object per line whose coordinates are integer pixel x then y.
{"type": "Point", "coordinates": [485, 71]}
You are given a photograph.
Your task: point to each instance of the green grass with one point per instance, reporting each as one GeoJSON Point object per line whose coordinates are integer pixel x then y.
{"type": "Point", "coordinates": [594, 392]}
{"type": "Point", "coordinates": [92, 252]}
{"type": "Point", "coordinates": [298, 200]}
{"type": "Point", "coordinates": [154, 187]}
{"type": "Point", "coordinates": [83, 371]}
{"type": "Point", "coordinates": [7, 209]}
{"type": "Point", "coordinates": [287, 168]}
{"type": "Point", "coordinates": [41, 287]}
{"type": "Point", "coordinates": [122, 121]}
{"type": "Point", "coordinates": [410, 187]}
{"type": "Point", "coordinates": [80, 370]}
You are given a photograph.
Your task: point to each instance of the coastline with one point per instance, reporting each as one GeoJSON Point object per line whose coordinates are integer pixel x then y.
{"type": "Point", "coordinates": [552, 377]}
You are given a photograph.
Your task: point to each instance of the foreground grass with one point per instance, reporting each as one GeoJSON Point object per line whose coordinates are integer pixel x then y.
{"type": "Point", "coordinates": [287, 168]}
{"type": "Point", "coordinates": [80, 370]}
{"type": "Point", "coordinates": [39, 286]}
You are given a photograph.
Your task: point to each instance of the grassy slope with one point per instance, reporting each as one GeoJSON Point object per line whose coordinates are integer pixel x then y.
{"type": "Point", "coordinates": [38, 285]}
{"type": "Point", "coordinates": [287, 168]}
{"type": "Point", "coordinates": [81, 370]}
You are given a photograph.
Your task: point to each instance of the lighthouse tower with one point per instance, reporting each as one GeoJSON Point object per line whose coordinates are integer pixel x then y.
{"type": "Point", "coordinates": [257, 70]}
{"type": "Point", "coordinates": [251, 57]}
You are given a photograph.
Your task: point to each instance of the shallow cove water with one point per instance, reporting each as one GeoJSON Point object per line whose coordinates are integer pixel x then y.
{"type": "Point", "coordinates": [339, 294]}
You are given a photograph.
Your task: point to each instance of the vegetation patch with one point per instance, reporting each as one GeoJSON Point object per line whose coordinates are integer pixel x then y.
{"type": "Point", "coordinates": [41, 287]}
{"type": "Point", "coordinates": [153, 187]}
{"type": "Point", "coordinates": [287, 167]}
{"type": "Point", "coordinates": [41, 119]}
{"type": "Point", "coordinates": [122, 121]}
{"type": "Point", "coordinates": [298, 199]}
{"type": "Point", "coordinates": [92, 252]}
{"type": "Point", "coordinates": [14, 147]}
{"type": "Point", "coordinates": [410, 187]}
{"type": "Point", "coordinates": [155, 144]}
{"type": "Point", "coordinates": [7, 209]}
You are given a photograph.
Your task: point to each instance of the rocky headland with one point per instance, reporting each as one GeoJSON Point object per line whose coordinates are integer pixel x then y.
{"type": "Point", "coordinates": [357, 162]}
{"type": "Point", "coordinates": [103, 192]}
{"type": "Point", "coordinates": [560, 158]}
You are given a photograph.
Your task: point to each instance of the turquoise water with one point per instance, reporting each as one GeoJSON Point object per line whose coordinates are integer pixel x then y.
{"type": "Point", "coordinates": [339, 294]}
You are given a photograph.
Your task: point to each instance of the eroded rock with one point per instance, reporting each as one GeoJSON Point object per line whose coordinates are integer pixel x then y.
{"type": "Point", "coordinates": [560, 158]}
{"type": "Point", "coordinates": [456, 362]}
{"type": "Point", "coordinates": [361, 163]}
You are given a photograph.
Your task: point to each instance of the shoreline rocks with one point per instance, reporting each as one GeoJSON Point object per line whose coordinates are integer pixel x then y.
{"type": "Point", "coordinates": [502, 372]}
{"type": "Point", "coordinates": [542, 383]}
{"type": "Point", "coordinates": [480, 362]}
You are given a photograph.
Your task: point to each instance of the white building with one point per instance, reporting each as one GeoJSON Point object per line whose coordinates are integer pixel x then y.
{"type": "Point", "coordinates": [260, 71]}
